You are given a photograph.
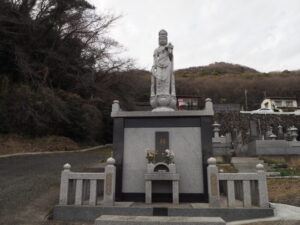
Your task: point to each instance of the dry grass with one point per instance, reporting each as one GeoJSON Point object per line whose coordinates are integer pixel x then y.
{"type": "Point", "coordinates": [67, 223]}
{"type": "Point", "coordinates": [10, 144]}
{"type": "Point", "coordinates": [286, 191]}
{"type": "Point", "coordinates": [227, 168]}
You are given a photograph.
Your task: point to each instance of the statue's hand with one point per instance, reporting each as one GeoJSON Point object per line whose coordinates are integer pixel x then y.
{"type": "Point", "coordinates": [171, 46]}
{"type": "Point", "coordinates": [153, 69]}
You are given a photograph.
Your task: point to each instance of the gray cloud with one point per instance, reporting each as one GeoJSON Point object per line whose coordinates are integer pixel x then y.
{"type": "Point", "coordinates": [259, 33]}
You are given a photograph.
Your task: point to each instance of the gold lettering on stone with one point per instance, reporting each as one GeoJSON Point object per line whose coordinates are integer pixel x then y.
{"type": "Point", "coordinates": [108, 180]}
{"type": "Point", "coordinates": [213, 184]}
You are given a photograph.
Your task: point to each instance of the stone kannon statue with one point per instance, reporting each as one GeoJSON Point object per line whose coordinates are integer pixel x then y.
{"type": "Point", "coordinates": [163, 94]}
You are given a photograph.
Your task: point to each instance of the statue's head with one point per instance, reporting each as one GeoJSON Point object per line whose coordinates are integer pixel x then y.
{"type": "Point", "coordinates": [163, 38]}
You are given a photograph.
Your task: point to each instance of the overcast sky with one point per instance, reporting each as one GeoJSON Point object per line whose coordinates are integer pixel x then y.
{"type": "Point", "coordinates": [262, 34]}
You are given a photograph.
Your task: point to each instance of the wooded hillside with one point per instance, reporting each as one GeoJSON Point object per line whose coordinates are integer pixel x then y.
{"type": "Point", "coordinates": [226, 83]}
{"type": "Point", "coordinates": [57, 67]}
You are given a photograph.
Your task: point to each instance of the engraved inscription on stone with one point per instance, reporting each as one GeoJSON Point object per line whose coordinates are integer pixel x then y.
{"type": "Point", "coordinates": [108, 183]}
{"type": "Point", "coordinates": [161, 144]}
{"type": "Point", "coordinates": [214, 189]}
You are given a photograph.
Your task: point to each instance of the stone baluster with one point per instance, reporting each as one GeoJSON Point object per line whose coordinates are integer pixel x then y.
{"type": "Point", "coordinates": [246, 193]}
{"type": "Point", "coordinates": [64, 185]}
{"type": "Point", "coordinates": [78, 192]}
{"type": "Point", "coordinates": [230, 193]}
{"type": "Point", "coordinates": [93, 192]}
{"type": "Point", "coordinates": [110, 182]}
{"type": "Point", "coordinates": [262, 186]}
{"type": "Point", "coordinates": [213, 183]}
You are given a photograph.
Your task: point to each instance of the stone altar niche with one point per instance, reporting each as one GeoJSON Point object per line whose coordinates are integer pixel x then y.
{"type": "Point", "coordinates": [161, 172]}
{"type": "Point", "coordinates": [161, 144]}
{"type": "Point", "coordinates": [187, 133]}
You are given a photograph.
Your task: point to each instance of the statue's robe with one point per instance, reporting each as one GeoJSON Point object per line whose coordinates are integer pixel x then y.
{"type": "Point", "coordinates": [162, 71]}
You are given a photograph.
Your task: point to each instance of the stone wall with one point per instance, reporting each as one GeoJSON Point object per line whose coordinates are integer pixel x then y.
{"type": "Point", "coordinates": [241, 123]}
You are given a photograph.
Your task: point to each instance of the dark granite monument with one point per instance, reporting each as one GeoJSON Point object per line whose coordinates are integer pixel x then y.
{"type": "Point", "coordinates": [186, 133]}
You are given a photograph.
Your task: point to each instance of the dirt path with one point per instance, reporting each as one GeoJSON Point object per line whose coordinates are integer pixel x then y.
{"type": "Point", "coordinates": [29, 185]}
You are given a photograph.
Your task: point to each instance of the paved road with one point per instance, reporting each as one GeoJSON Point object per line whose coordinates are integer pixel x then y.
{"type": "Point", "coordinates": [28, 184]}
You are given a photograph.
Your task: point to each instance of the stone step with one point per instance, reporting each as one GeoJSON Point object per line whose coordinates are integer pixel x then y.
{"type": "Point", "coordinates": [154, 220]}
{"type": "Point", "coordinates": [246, 160]}
{"type": "Point", "coordinates": [246, 164]}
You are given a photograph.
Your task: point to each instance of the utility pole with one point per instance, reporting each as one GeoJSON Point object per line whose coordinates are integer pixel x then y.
{"type": "Point", "coordinates": [246, 100]}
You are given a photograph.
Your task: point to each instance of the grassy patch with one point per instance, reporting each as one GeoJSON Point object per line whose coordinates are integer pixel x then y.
{"type": "Point", "coordinates": [279, 166]}
{"type": "Point", "coordinates": [270, 161]}
{"type": "Point", "coordinates": [105, 152]}
{"type": "Point", "coordinates": [10, 144]}
{"type": "Point", "coordinates": [284, 191]}
{"type": "Point", "coordinates": [291, 171]}
{"type": "Point", "coordinates": [227, 168]}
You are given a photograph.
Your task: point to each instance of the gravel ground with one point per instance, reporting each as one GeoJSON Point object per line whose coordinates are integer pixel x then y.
{"type": "Point", "coordinates": [29, 185]}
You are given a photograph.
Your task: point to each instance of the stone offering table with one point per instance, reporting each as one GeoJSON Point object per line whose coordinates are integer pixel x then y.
{"type": "Point", "coordinates": [161, 172]}
{"type": "Point", "coordinates": [161, 176]}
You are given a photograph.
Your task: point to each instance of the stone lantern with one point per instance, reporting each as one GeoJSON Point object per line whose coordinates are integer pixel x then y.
{"type": "Point", "coordinates": [294, 133]}
{"type": "Point", "coordinates": [216, 130]}
{"type": "Point", "coordinates": [273, 137]}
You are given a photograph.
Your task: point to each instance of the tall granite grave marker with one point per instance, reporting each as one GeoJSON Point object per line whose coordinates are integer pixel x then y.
{"type": "Point", "coordinates": [161, 144]}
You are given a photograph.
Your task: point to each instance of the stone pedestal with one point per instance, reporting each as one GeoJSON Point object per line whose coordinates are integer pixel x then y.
{"type": "Point", "coordinates": [190, 138]}
{"type": "Point", "coordinates": [173, 177]}
{"type": "Point", "coordinates": [168, 174]}
{"type": "Point", "coordinates": [154, 220]}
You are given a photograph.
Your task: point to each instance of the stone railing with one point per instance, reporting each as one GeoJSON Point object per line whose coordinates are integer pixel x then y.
{"type": "Point", "coordinates": [85, 188]}
{"type": "Point", "coordinates": [250, 188]}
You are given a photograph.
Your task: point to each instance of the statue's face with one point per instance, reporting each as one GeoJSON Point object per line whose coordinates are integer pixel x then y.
{"type": "Point", "coordinates": [163, 41]}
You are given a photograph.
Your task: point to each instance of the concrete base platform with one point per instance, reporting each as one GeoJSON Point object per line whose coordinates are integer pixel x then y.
{"type": "Point", "coordinates": [154, 220]}
{"type": "Point", "coordinates": [91, 213]}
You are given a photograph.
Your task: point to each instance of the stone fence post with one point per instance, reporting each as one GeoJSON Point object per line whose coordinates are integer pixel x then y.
{"type": "Point", "coordinates": [115, 106]}
{"type": "Point", "coordinates": [110, 182]}
{"type": "Point", "coordinates": [262, 186]}
{"type": "Point", "coordinates": [213, 183]}
{"type": "Point", "coordinates": [209, 106]}
{"type": "Point", "coordinates": [64, 185]}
